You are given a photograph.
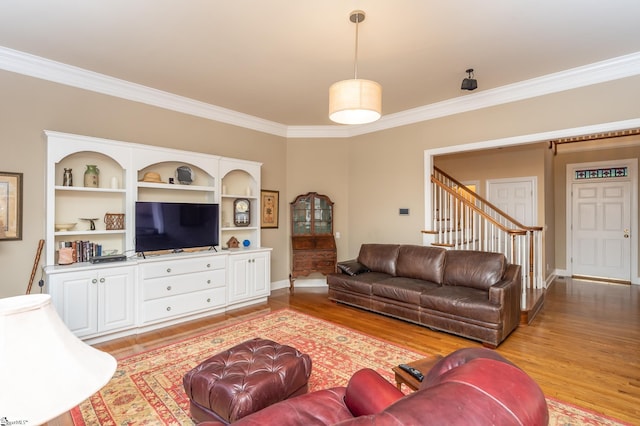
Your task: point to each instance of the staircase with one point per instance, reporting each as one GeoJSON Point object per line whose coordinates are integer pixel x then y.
{"type": "Point", "coordinates": [462, 220]}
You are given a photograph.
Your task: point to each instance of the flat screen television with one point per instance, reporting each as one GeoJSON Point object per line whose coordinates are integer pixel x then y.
{"type": "Point", "coordinates": [175, 226]}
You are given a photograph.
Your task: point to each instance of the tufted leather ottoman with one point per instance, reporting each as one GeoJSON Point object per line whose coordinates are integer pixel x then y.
{"type": "Point", "coordinates": [244, 379]}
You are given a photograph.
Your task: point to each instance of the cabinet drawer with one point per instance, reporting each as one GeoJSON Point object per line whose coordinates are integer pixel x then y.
{"type": "Point", "coordinates": [323, 264]}
{"type": "Point", "coordinates": [315, 253]}
{"type": "Point", "coordinates": [182, 266]}
{"type": "Point", "coordinates": [170, 286]}
{"type": "Point", "coordinates": [313, 259]}
{"type": "Point", "coordinates": [168, 307]}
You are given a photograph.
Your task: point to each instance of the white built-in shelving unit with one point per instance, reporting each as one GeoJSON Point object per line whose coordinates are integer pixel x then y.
{"type": "Point", "coordinates": [103, 301]}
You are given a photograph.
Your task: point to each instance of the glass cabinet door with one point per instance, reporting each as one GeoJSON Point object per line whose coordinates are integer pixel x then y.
{"type": "Point", "coordinates": [301, 216]}
{"type": "Point", "coordinates": [322, 216]}
{"type": "Point", "coordinates": [312, 214]}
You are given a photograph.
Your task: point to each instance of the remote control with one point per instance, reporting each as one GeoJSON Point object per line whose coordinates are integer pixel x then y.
{"type": "Point", "coordinates": [413, 371]}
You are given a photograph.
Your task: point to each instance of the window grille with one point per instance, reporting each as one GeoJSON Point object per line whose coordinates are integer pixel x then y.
{"type": "Point", "coordinates": [607, 172]}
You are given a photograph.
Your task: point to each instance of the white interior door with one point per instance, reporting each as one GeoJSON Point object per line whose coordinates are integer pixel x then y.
{"type": "Point", "coordinates": [514, 197]}
{"type": "Point", "coordinates": [601, 219]}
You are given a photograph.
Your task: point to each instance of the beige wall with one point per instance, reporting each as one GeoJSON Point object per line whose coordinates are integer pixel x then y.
{"type": "Point", "coordinates": [28, 106]}
{"type": "Point", "coordinates": [322, 166]}
{"type": "Point", "coordinates": [368, 177]}
{"type": "Point", "coordinates": [386, 169]}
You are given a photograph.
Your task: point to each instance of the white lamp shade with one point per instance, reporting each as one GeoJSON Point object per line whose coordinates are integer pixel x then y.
{"type": "Point", "coordinates": [45, 370]}
{"type": "Point", "coordinates": [355, 101]}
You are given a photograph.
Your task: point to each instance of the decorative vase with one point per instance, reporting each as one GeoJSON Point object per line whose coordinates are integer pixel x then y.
{"type": "Point", "coordinates": [67, 178]}
{"type": "Point", "coordinates": [92, 176]}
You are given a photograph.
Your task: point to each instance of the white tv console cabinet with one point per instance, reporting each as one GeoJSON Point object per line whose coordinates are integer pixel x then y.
{"type": "Point", "coordinates": [103, 301]}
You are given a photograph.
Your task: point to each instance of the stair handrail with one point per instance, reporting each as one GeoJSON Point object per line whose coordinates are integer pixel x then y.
{"type": "Point", "coordinates": [510, 231]}
{"type": "Point", "coordinates": [492, 215]}
{"type": "Point", "coordinates": [481, 199]}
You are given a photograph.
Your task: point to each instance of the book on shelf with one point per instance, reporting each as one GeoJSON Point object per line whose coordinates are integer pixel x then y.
{"type": "Point", "coordinates": [81, 251]}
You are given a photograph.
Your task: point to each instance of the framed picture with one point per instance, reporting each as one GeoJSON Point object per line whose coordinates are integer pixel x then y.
{"type": "Point", "coordinates": [10, 206]}
{"type": "Point", "coordinates": [269, 210]}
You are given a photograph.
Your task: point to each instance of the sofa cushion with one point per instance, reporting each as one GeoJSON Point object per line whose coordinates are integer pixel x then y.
{"type": "Point", "coordinates": [379, 257]}
{"type": "Point", "coordinates": [476, 269]}
{"type": "Point", "coordinates": [352, 267]}
{"type": "Point", "coordinates": [407, 290]}
{"type": "Point", "coordinates": [463, 302]}
{"type": "Point", "coordinates": [361, 283]}
{"type": "Point", "coordinates": [456, 359]}
{"type": "Point", "coordinates": [421, 262]}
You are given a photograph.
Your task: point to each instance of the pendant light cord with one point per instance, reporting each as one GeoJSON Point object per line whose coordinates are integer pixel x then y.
{"type": "Point", "coordinates": [355, 61]}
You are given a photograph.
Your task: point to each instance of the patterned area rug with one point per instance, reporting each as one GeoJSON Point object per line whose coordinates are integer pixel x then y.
{"type": "Point", "coordinates": [146, 389]}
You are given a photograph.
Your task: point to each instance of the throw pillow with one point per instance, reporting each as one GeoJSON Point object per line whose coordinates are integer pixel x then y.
{"type": "Point", "coordinates": [352, 267]}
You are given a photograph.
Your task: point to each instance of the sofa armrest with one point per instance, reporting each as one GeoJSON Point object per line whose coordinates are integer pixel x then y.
{"type": "Point", "coordinates": [508, 293]}
{"type": "Point", "coordinates": [508, 288]}
{"type": "Point", "coordinates": [369, 393]}
{"type": "Point", "coordinates": [352, 267]}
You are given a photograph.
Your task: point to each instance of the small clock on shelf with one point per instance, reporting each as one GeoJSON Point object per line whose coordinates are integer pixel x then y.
{"type": "Point", "coordinates": [241, 212]}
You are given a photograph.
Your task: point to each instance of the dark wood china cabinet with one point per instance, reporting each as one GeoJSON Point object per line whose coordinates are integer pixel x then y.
{"type": "Point", "coordinates": [312, 243]}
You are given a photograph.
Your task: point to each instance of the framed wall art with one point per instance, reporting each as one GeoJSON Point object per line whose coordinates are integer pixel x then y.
{"type": "Point", "coordinates": [10, 206]}
{"type": "Point", "coordinates": [269, 210]}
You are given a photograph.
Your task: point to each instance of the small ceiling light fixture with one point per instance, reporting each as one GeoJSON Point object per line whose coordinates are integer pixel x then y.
{"type": "Point", "coordinates": [355, 101]}
{"type": "Point", "coordinates": [469, 83]}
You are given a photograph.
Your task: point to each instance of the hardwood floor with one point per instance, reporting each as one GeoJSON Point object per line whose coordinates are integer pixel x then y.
{"type": "Point", "coordinates": [582, 348]}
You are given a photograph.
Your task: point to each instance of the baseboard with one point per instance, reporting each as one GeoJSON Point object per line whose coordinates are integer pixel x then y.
{"type": "Point", "coordinates": [560, 273]}
{"type": "Point", "coordinates": [276, 285]}
{"type": "Point", "coordinates": [550, 279]}
{"type": "Point", "coordinates": [310, 282]}
{"type": "Point", "coordinates": [300, 283]}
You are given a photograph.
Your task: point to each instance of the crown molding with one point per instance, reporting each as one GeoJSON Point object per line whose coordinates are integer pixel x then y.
{"type": "Point", "coordinates": [46, 69]}
{"type": "Point", "coordinates": [598, 72]}
{"type": "Point", "coordinates": [612, 126]}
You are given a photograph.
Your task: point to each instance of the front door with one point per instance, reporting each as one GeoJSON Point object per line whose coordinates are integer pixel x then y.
{"type": "Point", "coordinates": [601, 220]}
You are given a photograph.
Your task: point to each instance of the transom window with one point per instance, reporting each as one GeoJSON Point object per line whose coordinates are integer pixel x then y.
{"type": "Point", "coordinates": [606, 172]}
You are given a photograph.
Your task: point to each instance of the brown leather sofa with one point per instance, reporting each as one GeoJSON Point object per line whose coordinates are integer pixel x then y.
{"type": "Point", "coordinates": [472, 294]}
{"type": "Point", "coordinates": [472, 386]}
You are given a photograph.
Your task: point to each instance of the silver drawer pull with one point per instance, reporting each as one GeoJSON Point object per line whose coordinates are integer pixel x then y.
{"type": "Point", "coordinates": [208, 300]}
{"type": "Point", "coordinates": [94, 281]}
{"type": "Point", "coordinates": [168, 308]}
{"type": "Point", "coordinates": [101, 280]}
{"type": "Point", "coordinates": [168, 288]}
{"type": "Point", "coordinates": [208, 265]}
{"type": "Point", "coordinates": [208, 281]}
{"type": "Point", "coordinates": [168, 270]}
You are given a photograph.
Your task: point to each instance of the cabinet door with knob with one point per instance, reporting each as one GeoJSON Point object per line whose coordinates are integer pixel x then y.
{"type": "Point", "coordinates": [250, 276]}
{"type": "Point", "coordinates": [95, 301]}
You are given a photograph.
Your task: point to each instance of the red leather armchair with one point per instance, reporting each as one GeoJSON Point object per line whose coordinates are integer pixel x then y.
{"type": "Point", "coordinates": [472, 386]}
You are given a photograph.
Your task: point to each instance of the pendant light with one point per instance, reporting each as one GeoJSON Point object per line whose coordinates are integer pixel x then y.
{"type": "Point", "coordinates": [355, 101]}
